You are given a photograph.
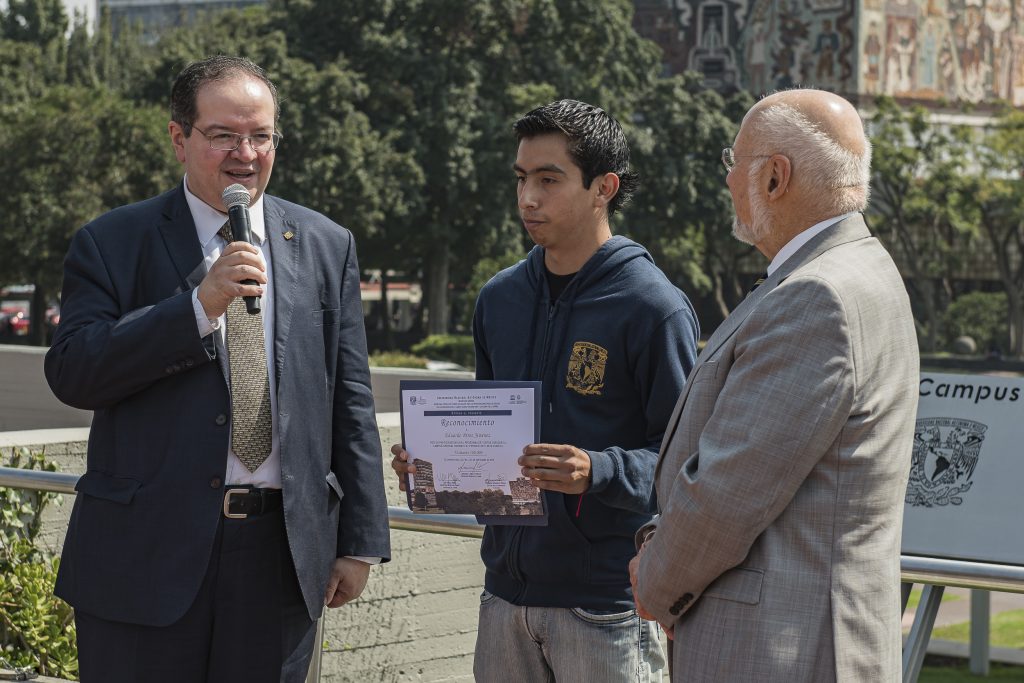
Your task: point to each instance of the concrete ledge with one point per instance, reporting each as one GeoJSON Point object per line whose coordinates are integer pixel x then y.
{"type": "Point", "coordinates": [385, 383]}
{"type": "Point", "coordinates": [26, 401]}
{"type": "Point", "coordinates": [41, 679]}
{"type": "Point", "coordinates": [43, 437]}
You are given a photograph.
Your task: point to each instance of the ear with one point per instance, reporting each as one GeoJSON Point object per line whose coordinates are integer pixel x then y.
{"type": "Point", "coordinates": [177, 139]}
{"type": "Point", "coordinates": [607, 187]}
{"type": "Point", "coordinates": [781, 172]}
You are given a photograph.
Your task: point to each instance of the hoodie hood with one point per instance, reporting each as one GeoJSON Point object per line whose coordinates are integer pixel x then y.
{"type": "Point", "coordinates": [609, 258]}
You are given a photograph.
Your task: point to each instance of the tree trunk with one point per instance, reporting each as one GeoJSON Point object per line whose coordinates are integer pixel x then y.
{"type": "Point", "coordinates": [385, 311]}
{"type": "Point", "coordinates": [1015, 312]}
{"type": "Point", "coordinates": [719, 295]}
{"type": "Point", "coordinates": [37, 317]}
{"type": "Point", "coordinates": [927, 317]}
{"type": "Point", "coordinates": [437, 289]}
{"type": "Point", "coordinates": [1010, 276]}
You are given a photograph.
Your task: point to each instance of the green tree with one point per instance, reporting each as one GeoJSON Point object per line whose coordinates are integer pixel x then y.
{"type": "Point", "coordinates": [979, 315]}
{"type": "Point", "coordinates": [446, 78]}
{"type": "Point", "coordinates": [32, 49]}
{"type": "Point", "coordinates": [921, 206]}
{"type": "Point", "coordinates": [38, 22]}
{"type": "Point", "coordinates": [683, 210]}
{"type": "Point", "coordinates": [996, 193]}
{"type": "Point", "coordinates": [66, 158]}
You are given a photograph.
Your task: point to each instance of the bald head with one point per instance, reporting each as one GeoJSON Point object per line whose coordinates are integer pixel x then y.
{"type": "Point", "coordinates": [808, 160]}
{"type": "Point", "coordinates": [830, 114]}
{"type": "Point", "coordinates": [823, 138]}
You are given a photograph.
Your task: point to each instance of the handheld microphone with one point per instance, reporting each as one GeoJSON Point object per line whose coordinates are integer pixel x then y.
{"type": "Point", "coordinates": [236, 200]}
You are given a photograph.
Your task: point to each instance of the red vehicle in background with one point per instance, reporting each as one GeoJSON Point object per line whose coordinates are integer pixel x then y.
{"type": "Point", "coordinates": [14, 323]}
{"type": "Point", "coordinates": [15, 314]}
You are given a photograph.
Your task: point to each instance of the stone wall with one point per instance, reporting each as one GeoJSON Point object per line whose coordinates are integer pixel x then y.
{"type": "Point", "coordinates": [416, 621]}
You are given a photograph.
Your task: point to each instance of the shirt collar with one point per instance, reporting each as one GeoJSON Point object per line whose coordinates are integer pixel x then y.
{"type": "Point", "coordinates": [792, 246]}
{"type": "Point", "coordinates": [209, 220]}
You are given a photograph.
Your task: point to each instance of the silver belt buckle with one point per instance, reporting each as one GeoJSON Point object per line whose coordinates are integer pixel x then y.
{"type": "Point", "coordinates": [227, 503]}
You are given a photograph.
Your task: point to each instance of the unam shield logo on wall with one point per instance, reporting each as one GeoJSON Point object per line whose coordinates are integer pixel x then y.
{"type": "Point", "coordinates": [946, 451]}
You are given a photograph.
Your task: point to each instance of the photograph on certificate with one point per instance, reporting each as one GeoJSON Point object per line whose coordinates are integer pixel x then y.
{"type": "Point", "coordinates": [465, 439]}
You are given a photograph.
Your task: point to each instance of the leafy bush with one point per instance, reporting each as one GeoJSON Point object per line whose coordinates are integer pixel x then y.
{"type": "Point", "coordinates": [455, 348]}
{"type": "Point", "coordinates": [36, 629]}
{"type": "Point", "coordinates": [981, 315]}
{"type": "Point", "coordinates": [396, 359]}
{"type": "Point", "coordinates": [483, 271]}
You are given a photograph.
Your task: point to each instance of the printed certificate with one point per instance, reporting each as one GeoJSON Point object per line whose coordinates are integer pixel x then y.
{"type": "Point", "coordinates": [465, 438]}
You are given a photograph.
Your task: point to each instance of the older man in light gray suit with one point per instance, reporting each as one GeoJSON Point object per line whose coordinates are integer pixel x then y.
{"type": "Point", "coordinates": [782, 474]}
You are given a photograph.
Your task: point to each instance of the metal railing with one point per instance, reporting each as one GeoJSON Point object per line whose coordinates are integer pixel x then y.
{"type": "Point", "coordinates": [934, 573]}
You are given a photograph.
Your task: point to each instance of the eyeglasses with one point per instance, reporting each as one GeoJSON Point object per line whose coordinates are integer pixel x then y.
{"type": "Point", "coordinates": [229, 142]}
{"type": "Point", "coordinates": [729, 157]}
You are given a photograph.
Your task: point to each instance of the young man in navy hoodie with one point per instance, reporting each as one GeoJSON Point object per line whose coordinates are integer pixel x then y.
{"type": "Point", "coordinates": [612, 340]}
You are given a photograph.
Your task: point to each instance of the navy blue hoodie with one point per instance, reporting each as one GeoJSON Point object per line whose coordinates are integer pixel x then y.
{"type": "Point", "coordinates": [613, 353]}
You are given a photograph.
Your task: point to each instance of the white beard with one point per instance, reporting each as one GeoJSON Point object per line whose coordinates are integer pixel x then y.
{"type": "Point", "coordinates": [761, 219]}
{"type": "Point", "coordinates": [743, 232]}
{"type": "Point", "coordinates": [760, 227]}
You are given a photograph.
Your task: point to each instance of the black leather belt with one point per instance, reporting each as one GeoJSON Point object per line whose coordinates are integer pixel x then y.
{"type": "Point", "coordinates": [241, 502]}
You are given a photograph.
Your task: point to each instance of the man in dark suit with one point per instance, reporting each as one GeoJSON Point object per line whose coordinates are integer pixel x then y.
{"type": "Point", "coordinates": [234, 480]}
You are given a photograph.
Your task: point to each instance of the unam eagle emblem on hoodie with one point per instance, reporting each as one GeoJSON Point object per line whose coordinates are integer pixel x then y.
{"type": "Point", "coordinates": [586, 369]}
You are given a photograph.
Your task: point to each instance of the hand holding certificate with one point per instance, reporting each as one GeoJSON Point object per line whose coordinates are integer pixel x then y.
{"type": "Point", "coordinates": [465, 440]}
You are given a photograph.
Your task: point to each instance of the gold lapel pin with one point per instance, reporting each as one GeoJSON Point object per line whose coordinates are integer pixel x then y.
{"type": "Point", "coordinates": [288, 235]}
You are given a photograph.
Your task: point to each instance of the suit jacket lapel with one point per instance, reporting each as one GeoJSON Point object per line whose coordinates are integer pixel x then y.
{"type": "Point", "coordinates": [179, 234]}
{"type": "Point", "coordinates": [848, 230]}
{"type": "Point", "coordinates": [178, 230]}
{"type": "Point", "coordinates": [284, 252]}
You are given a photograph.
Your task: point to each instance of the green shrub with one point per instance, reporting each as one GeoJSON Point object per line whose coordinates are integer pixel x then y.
{"type": "Point", "coordinates": [36, 629]}
{"type": "Point", "coordinates": [981, 315]}
{"type": "Point", "coordinates": [483, 271]}
{"type": "Point", "coordinates": [396, 359]}
{"type": "Point", "coordinates": [455, 348]}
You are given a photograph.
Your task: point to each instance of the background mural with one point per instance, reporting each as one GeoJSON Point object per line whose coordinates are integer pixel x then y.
{"type": "Point", "coordinates": [930, 50]}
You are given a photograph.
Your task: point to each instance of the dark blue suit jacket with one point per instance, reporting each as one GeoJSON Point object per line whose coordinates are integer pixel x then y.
{"type": "Point", "coordinates": [127, 347]}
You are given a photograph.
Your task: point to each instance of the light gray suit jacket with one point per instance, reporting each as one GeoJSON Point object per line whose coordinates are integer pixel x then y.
{"type": "Point", "coordinates": [782, 476]}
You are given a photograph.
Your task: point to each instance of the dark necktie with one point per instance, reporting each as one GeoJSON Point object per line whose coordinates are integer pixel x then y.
{"type": "Point", "coordinates": [251, 423]}
{"type": "Point", "coordinates": [761, 278]}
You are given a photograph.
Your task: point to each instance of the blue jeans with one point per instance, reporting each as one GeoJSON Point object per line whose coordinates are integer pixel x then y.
{"type": "Point", "coordinates": [564, 645]}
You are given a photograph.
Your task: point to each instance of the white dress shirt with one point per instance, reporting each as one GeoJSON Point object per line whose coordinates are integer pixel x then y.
{"type": "Point", "coordinates": [792, 246]}
{"type": "Point", "coordinates": [208, 222]}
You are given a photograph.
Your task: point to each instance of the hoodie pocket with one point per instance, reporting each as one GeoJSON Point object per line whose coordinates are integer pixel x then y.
{"type": "Point", "coordinates": [556, 553]}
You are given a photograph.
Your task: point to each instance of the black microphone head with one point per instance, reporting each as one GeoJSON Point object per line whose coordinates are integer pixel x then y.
{"type": "Point", "coordinates": [235, 195]}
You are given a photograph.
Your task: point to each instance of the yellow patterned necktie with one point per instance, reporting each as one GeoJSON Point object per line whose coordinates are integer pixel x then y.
{"type": "Point", "coordinates": [251, 423]}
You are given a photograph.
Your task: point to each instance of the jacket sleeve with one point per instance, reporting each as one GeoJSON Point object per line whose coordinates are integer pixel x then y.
{"type": "Point", "coordinates": [356, 451]}
{"type": "Point", "coordinates": [624, 478]}
{"type": "Point", "coordinates": [102, 353]}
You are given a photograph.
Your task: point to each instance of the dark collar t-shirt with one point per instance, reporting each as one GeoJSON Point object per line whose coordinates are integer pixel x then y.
{"type": "Point", "coordinates": [557, 283]}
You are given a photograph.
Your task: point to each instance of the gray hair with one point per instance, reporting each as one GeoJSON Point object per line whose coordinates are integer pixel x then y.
{"type": "Point", "coordinates": [839, 177]}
